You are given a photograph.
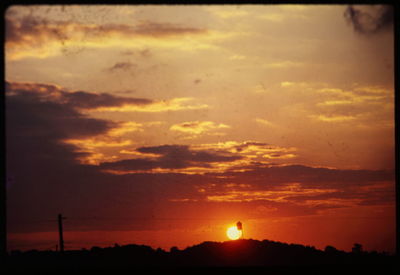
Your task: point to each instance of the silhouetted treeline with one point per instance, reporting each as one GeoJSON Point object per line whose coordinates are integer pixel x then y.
{"type": "Point", "coordinates": [239, 253]}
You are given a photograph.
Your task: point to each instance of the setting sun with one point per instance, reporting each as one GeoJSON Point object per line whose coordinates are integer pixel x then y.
{"type": "Point", "coordinates": [233, 233]}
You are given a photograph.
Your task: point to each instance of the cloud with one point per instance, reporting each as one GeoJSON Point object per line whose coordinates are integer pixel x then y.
{"type": "Point", "coordinates": [313, 177]}
{"type": "Point", "coordinates": [197, 127]}
{"type": "Point", "coordinates": [283, 194]}
{"type": "Point", "coordinates": [264, 122]}
{"type": "Point", "coordinates": [284, 64]}
{"type": "Point", "coordinates": [370, 106]}
{"type": "Point", "coordinates": [38, 37]}
{"type": "Point", "coordinates": [237, 57]}
{"type": "Point", "coordinates": [74, 108]}
{"type": "Point", "coordinates": [64, 114]}
{"type": "Point", "coordinates": [48, 179]}
{"type": "Point", "coordinates": [98, 102]}
{"type": "Point", "coordinates": [253, 154]}
{"type": "Point", "coordinates": [54, 120]}
{"type": "Point", "coordinates": [126, 127]}
{"type": "Point", "coordinates": [165, 29]}
{"type": "Point", "coordinates": [333, 118]}
{"type": "Point", "coordinates": [37, 121]}
{"type": "Point", "coordinates": [170, 157]}
{"type": "Point", "coordinates": [75, 100]}
{"type": "Point", "coordinates": [303, 186]}
{"type": "Point", "coordinates": [370, 19]}
{"type": "Point", "coordinates": [39, 110]}
{"type": "Point", "coordinates": [93, 143]}
{"type": "Point", "coordinates": [260, 89]}
{"type": "Point", "coordinates": [335, 102]}
{"type": "Point", "coordinates": [121, 66]}
{"type": "Point", "coordinates": [362, 106]}
{"type": "Point", "coordinates": [231, 156]}
{"type": "Point", "coordinates": [39, 117]}
{"type": "Point", "coordinates": [48, 176]}
{"type": "Point", "coordinates": [19, 30]}
{"type": "Point", "coordinates": [86, 100]}
{"type": "Point", "coordinates": [175, 104]}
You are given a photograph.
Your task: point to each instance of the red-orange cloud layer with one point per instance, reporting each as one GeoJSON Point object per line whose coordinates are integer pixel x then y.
{"type": "Point", "coordinates": [41, 117]}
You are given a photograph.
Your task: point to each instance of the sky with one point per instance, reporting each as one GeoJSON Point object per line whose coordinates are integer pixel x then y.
{"type": "Point", "coordinates": [164, 125]}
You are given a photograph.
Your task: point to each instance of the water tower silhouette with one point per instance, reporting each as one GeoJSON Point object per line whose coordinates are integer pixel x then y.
{"type": "Point", "coordinates": [239, 227]}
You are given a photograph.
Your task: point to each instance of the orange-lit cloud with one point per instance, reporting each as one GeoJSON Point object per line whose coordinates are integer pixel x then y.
{"type": "Point", "coordinates": [175, 104]}
{"type": "Point", "coordinates": [319, 188]}
{"type": "Point", "coordinates": [265, 122]}
{"type": "Point", "coordinates": [138, 154]}
{"type": "Point", "coordinates": [93, 146]}
{"type": "Point", "coordinates": [284, 64]}
{"type": "Point", "coordinates": [237, 57]}
{"type": "Point", "coordinates": [93, 143]}
{"type": "Point", "coordinates": [356, 105]}
{"type": "Point", "coordinates": [281, 195]}
{"type": "Point", "coordinates": [172, 158]}
{"type": "Point", "coordinates": [197, 127]}
{"type": "Point", "coordinates": [251, 151]}
{"type": "Point", "coordinates": [221, 157]}
{"type": "Point", "coordinates": [333, 118]}
{"type": "Point", "coordinates": [126, 127]}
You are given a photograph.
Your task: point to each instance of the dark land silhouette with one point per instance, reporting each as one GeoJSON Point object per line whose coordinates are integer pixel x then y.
{"type": "Point", "coordinates": [240, 255]}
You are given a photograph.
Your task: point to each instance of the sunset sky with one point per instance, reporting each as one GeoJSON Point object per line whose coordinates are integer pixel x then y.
{"type": "Point", "coordinates": [165, 125]}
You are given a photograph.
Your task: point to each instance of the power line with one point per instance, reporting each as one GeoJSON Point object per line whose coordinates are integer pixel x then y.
{"type": "Point", "coordinates": [30, 221]}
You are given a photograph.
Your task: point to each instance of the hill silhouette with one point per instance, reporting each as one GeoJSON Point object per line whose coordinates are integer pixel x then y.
{"type": "Point", "coordinates": [246, 253]}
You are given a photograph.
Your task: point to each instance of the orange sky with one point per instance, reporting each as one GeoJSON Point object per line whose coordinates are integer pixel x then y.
{"type": "Point", "coordinates": [163, 125]}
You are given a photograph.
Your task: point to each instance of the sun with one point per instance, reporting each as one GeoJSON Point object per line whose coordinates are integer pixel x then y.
{"type": "Point", "coordinates": [233, 233]}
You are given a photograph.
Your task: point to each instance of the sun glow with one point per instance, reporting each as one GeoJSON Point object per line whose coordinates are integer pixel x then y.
{"type": "Point", "coordinates": [233, 233]}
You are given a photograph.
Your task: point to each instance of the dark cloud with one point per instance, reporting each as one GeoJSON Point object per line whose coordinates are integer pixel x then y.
{"type": "Point", "coordinates": [30, 115]}
{"type": "Point", "coordinates": [370, 19]}
{"type": "Point", "coordinates": [47, 178]}
{"type": "Point", "coordinates": [145, 52]}
{"type": "Point", "coordinates": [21, 30]}
{"type": "Point", "coordinates": [245, 145]}
{"type": "Point", "coordinates": [170, 157]}
{"type": "Point", "coordinates": [184, 153]}
{"type": "Point", "coordinates": [39, 117]}
{"type": "Point", "coordinates": [165, 29]}
{"type": "Point", "coordinates": [46, 174]}
{"type": "Point", "coordinates": [122, 66]}
{"type": "Point", "coordinates": [383, 195]}
{"type": "Point", "coordinates": [90, 100]}
{"type": "Point", "coordinates": [295, 185]}
{"type": "Point", "coordinates": [312, 177]}
{"type": "Point", "coordinates": [69, 100]}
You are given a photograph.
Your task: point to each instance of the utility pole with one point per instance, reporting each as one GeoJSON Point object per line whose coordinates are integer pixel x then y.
{"type": "Point", "coordinates": [60, 231]}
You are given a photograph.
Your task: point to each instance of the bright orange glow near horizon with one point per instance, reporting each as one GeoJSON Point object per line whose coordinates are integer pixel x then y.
{"type": "Point", "coordinates": [159, 125]}
{"type": "Point", "coordinates": [233, 233]}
